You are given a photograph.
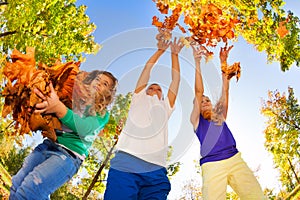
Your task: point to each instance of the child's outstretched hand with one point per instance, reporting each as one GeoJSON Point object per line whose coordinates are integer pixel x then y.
{"type": "Point", "coordinates": [176, 46]}
{"type": "Point", "coordinates": [163, 44]}
{"type": "Point", "coordinates": [199, 52]}
{"type": "Point", "coordinates": [224, 51]}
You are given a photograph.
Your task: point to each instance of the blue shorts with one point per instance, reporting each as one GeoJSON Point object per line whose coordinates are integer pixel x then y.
{"type": "Point", "coordinates": [125, 185]}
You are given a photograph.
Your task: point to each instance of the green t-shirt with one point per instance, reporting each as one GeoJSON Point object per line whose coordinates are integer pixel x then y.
{"type": "Point", "coordinates": [85, 131]}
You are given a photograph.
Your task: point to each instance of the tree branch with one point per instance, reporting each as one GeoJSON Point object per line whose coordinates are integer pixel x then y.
{"type": "Point", "coordinates": [95, 179]}
{"type": "Point", "coordinates": [286, 121]}
{"type": "Point", "coordinates": [7, 33]}
{"type": "Point", "coordinates": [294, 191]}
{"type": "Point", "coordinates": [3, 3]}
{"type": "Point", "coordinates": [292, 168]}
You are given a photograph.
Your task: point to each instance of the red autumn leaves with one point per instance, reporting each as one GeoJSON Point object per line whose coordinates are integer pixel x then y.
{"type": "Point", "coordinates": [22, 76]}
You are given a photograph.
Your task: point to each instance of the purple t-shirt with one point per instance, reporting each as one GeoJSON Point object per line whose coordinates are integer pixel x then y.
{"type": "Point", "coordinates": [217, 141]}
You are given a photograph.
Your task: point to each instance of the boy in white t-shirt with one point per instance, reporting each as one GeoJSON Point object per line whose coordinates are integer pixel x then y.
{"type": "Point", "coordinates": [138, 170]}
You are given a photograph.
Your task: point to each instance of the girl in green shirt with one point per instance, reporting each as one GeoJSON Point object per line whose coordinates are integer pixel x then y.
{"type": "Point", "coordinates": [59, 157]}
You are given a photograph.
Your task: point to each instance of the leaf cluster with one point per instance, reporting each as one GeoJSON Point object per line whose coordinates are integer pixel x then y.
{"type": "Point", "coordinates": [264, 24]}
{"type": "Point", "coordinates": [22, 77]}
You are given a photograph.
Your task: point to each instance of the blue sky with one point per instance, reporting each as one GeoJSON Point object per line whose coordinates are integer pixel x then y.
{"type": "Point", "coordinates": [128, 38]}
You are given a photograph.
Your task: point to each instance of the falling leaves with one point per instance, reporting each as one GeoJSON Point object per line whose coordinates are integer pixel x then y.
{"type": "Point", "coordinates": [170, 22]}
{"type": "Point", "coordinates": [163, 8]}
{"type": "Point", "coordinates": [22, 76]}
{"type": "Point", "coordinates": [209, 28]}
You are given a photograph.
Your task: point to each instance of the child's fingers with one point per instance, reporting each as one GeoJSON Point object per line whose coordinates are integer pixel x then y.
{"type": "Point", "coordinates": [39, 93]}
{"type": "Point", "coordinates": [51, 87]}
{"type": "Point", "coordinates": [230, 48]}
{"type": "Point", "coordinates": [175, 40]}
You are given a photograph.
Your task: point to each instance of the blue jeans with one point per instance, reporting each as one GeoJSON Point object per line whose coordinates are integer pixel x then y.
{"type": "Point", "coordinates": [47, 168]}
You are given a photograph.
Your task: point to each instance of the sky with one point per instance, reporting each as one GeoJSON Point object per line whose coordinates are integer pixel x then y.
{"type": "Point", "coordinates": [128, 40]}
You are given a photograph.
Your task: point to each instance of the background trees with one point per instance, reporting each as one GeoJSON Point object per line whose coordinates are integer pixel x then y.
{"type": "Point", "coordinates": [282, 135]}
{"type": "Point", "coordinates": [55, 28]}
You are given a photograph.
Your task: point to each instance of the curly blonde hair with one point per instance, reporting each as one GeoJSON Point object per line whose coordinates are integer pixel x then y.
{"type": "Point", "coordinates": [87, 103]}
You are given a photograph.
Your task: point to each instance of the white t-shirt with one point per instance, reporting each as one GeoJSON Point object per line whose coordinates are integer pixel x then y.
{"type": "Point", "coordinates": [145, 134]}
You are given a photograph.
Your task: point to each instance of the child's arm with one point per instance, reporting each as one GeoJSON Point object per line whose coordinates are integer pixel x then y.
{"type": "Point", "coordinates": [174, 85]}
{"type": "Point", "coordinates": [162, 45]}
{"type": "Point", "coordinates": [199, 89]}
{"type": "Point", "coordinates": [225, 87]}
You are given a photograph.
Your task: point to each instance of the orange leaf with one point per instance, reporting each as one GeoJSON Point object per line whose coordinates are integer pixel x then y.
{"type": "Point", "coordinates": [181, 28]}
{"type": "Point", "coordinates": [162, 8]}
{"type": "Point", "coordinates": [22, 66]}
{"type": "Point", "coordinates": [230, 34]}
{"type": "Point", "coordinates": [282, 30]}
{"type": "Point", "coordinates": [156, 23]}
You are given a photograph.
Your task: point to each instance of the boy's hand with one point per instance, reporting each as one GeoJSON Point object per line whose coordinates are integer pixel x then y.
{"type": "Point", "coordinates": [176, 46]}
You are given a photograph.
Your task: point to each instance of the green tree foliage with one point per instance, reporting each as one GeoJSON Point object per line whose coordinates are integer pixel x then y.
{"type": "Point", "coordinates": [55, 28]}
{"type": "Point", "coordinates": [262, 23]}
{"type": "Point", "coordinates": [10, 163]}
{"type": "Point", "coordinates": [64, 193]}
{"type": "Point", "coordinates": [172, 168]}
{"type": "Point", "coordinates": [282, 135]}
{"type": "Point", "coordinates": [14, 160]}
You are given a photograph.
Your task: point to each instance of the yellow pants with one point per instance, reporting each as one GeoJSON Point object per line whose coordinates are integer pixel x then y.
{"type": "Point", "coordinates": [234, 172]}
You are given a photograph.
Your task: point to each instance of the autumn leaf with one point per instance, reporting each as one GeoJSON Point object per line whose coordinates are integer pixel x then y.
{"type": "Point", "coordinates": [22, 66]}
{"type": "Point", "coordinates": [181, 28]}
{"type": "Point", "coordinates": [156, 23]}
{"type": "Point", "coordinates": [282, 30]}
{"type": "Point", "coordinates": [162, 7]}
{"type": "Point", "coordinates": [63, 76]}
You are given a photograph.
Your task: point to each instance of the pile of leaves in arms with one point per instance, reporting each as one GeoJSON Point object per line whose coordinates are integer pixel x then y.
{"type": "Point", "coordinates": [22, 76]}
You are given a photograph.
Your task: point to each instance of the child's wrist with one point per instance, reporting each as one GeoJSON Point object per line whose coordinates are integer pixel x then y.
{"type": "Point", "coordinates": [223, 67]}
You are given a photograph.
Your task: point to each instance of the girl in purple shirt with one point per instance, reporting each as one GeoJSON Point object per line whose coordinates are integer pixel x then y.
{"type": "Point", "coordinates": [221, 163]}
